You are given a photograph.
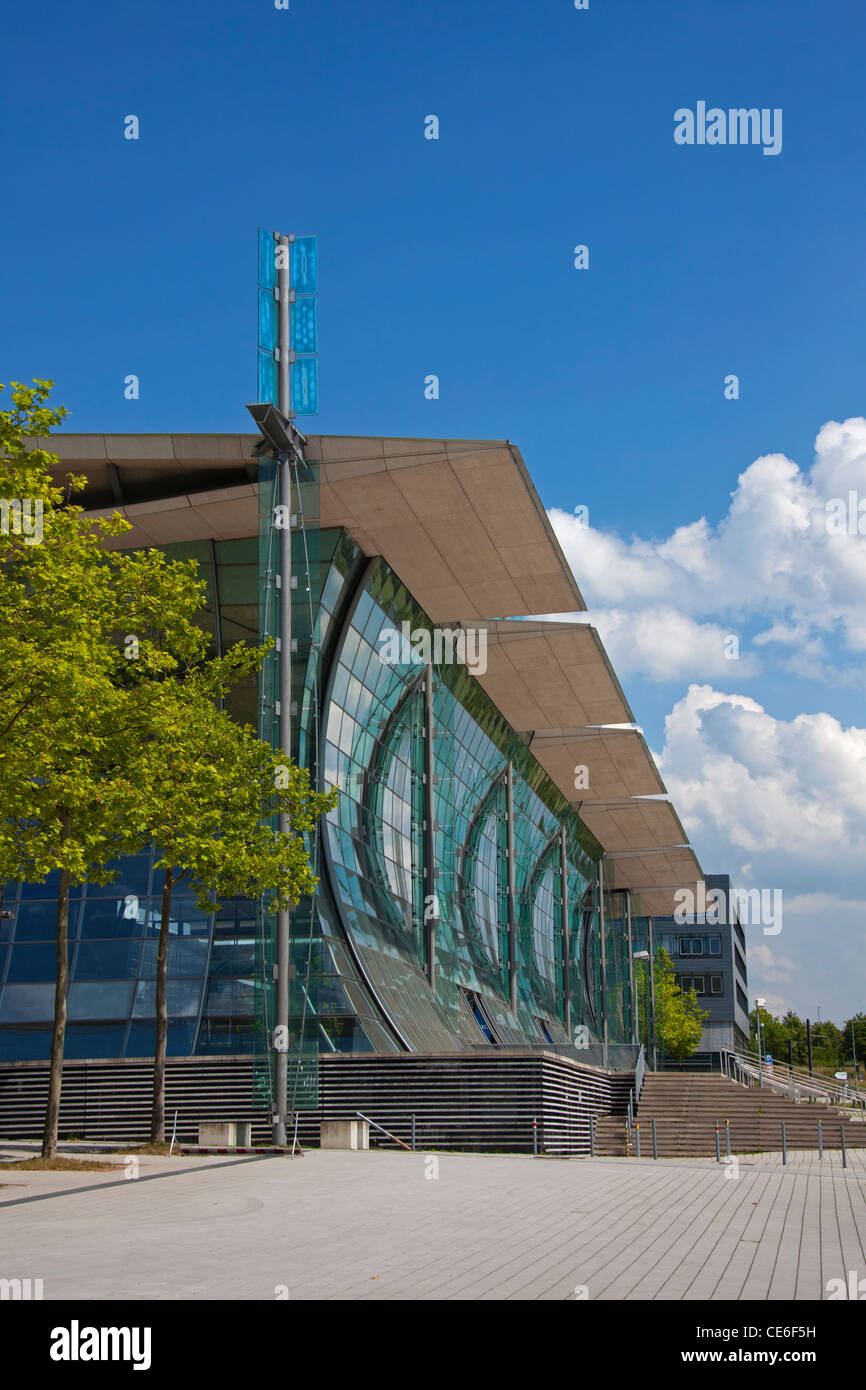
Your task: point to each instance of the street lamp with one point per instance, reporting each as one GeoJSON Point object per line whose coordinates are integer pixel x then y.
{"type": "Point", "coordinates": [759, 1004]}
{"type": "Point", "coordinates": [281, 436]}
{"type": "Point", "coordinates": [645, 955]}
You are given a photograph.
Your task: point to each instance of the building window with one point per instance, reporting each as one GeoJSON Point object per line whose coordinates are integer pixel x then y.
{"type": "Point", "coordinates": [479, 1013]}
{"type": "Point", "coordinates": [715, 946]}
{"type": "Point", "coordinates": [545, 1031]}
{"type": "Point", "coordinates": [716, 984]}
{"type": "Point", "coordinates": [691, 946]}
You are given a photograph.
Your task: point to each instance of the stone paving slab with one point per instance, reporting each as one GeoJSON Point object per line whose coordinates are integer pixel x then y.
{"type": "Point", "coordinates": [383, 1226]}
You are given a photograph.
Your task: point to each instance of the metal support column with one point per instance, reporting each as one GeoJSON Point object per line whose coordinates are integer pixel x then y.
{"type": "Point", "coordinates": [284, 658]}
{"type": "Point", "coordinates": [652, 990]}
{"type": "Point", "coordinates": [603, 961]}
{"type": "Point", "coordinates": [632, 1010]}
{"type": "Point", "coordinates": [512, 906]}
{"type": "Point", "coordinates": [431, 899]}
{"type": "Point", "coordinates": [566, 933]}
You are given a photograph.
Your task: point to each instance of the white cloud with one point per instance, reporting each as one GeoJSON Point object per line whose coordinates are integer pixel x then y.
{"type": "Point", "coordinates": [772, 557]}
{"type": "Point", "coordinates": [780, 805]}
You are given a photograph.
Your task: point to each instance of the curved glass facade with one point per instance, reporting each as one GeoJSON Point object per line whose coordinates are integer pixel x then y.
{"type": "Point", "coordinates": [415, 853]}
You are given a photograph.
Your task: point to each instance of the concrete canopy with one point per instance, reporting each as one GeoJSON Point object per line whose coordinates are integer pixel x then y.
{"type": "Point", "coordinates": [462, 525]}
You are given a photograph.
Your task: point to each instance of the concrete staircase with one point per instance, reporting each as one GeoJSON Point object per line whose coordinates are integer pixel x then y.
{"type": "Point", "coordinates": [686, 1107]}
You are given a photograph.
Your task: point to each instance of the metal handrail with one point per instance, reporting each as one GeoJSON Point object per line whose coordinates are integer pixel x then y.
{"type": "Point", "coordinates": [639, 1074]}
{"type": "Point", "coordinates": [802, 1084]}
{"type": "Point", "coordinates": [383, 1130]}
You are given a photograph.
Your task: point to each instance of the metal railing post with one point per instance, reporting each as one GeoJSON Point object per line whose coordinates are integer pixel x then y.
{"type": "Point", "coordinates": [655, 1140]}
{"type": "Point", "coordinates": [637, 1138]}
{"type": "Point", "coordinates": [784, 1144]}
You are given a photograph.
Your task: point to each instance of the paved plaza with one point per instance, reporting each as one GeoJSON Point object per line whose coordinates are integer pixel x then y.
{"type": "Point", "coordinates": [384, 1225]}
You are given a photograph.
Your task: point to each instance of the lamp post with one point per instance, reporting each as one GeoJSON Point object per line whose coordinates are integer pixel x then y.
{"type": "Point", "coordinates": [284, 440]}
{"type": "Point", "coordinates": [759, 1003]}
{"type": "Point", "coordinates": [650, 994]}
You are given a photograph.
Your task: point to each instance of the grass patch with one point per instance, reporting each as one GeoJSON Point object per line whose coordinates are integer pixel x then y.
{"type": "Point", "coordinates": [144, 1149]}
{"type": "Point", "coordinates": [57, 1165]}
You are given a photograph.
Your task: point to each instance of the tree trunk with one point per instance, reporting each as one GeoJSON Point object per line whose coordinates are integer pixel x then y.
{"type": "Point", "coordinates": [157, 1120]}
{"type": "Point", "coordinates": [61, 989]}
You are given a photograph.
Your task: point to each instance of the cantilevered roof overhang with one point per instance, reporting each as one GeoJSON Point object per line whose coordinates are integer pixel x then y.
{"type": "Point", "coordinates": [462, 525]}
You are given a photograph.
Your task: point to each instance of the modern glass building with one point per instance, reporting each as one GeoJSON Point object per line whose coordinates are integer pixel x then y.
{"type": "Point", "coordinates": [501, 830]}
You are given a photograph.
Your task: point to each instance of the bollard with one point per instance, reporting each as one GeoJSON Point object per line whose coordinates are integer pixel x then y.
{"type": "Point", "coordinates": [413, 1133]}
{"type": "Point", "coordinates": [637, 1138]}
{"type": "Point", "coordinates": [718, 1150]}
{"type": "Point", "coordinates": [844, 1150]}
{"type": "Point", "coordinates": [820, 1141]}
{"type": "Point", "coordinates": [592, 1136]}
{"type": "Point", "coordinates": [728, 1137]}
{"type": "Point", "coordinates": [784, 1144]}
{"type": "Point", "coordinates": [535, 1138]}
{"type": "Point", "coordinates": [655, 1141]}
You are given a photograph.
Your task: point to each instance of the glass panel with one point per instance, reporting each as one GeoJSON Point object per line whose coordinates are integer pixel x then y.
{"type": "Point", "coordinates": [133, 877]}
{"type": "Point", "coordinates": [142, 1039]}
{"type": "Point", "coordinates": [182, 998]}
{"type": "Point", "coordinates": [38, 921]}
{"type": "Point", "coordinates": [267, 378]}
{"type": "Point", "coordinates": [107, 960]}
{"type": "Point", "coordinates": [304, 325]}
{"type": "Point", "coordinates": [100, 1000]}
{"type": "Point", "coordinates": [25, 1044]}
{"type": "Point", "coordinates": [267, 320]}
{"type": "Point", "coordinates": [34, 963]}
{"type": "Point", "coordinates": [84, 1042]}
{"type": "Point", "coordinates": [305, 386]}
{"type": "Point", "coordinates": [26, 1003]}
{"type": "Point", "coordinates": [267, 260]}
{"type": "Point", "coordinates": [304, 263]}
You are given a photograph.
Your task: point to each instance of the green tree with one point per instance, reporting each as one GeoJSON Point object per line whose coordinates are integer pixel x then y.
{"type": "Point", "coordinates": [679, 1016]}
{"type": "Point", "coordinates": [209, 790]}
{"type": "Point", "coordinates": [83, 628]}
{"type": "Point", "coordinates": [854, 1034]}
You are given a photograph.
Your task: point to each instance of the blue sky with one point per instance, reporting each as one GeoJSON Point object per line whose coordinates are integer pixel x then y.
{"type": "Point", "coordinates": [455, 257]}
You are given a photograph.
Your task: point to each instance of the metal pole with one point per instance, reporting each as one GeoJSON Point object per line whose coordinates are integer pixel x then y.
{"type": "Point", "coordinates": [844, 1150]}
{"type": "Point", "coordinates": [173, 1135]}
{"type": "Point", "coordinates": [760, 1051]}
{"type": "Point", "coordinates": [566, 934]}
{"type": "Point", "coordinates": [631, 983]}
{"type": "Point", "coordinates": [535, 1137]}
{"type": "Point", "coordinates": [718, 1150]}
{"type": "Point", "coordinates": [431, 901]}
{"type": "Point", "coordinates": [512, 916]}
{"type": "Point", "coordinates": [637, 1138]}
{"type": "Point", "coordinates": [728, 1138]}
{"type": "Point", "coordinates": [652, 984]}
{"type": "Point", "coordinates": [603, 962]}
{"type": "Point", "coordinates": [592, 1136]}
{"type": "Point", "coordinates": [784, 1144]}
{"type": "Point", "coordinates": [854, 1054]}
{"type": "Point", "coordinates": [282, 961]}
{"type": "Point", "coordinates": [820, 1140]}
{"type": "Point", "coordinates": [413, 1133]}
{"type": "Point", "coordinates": [655, 1140]}
{"type": "Point", "coordinates": [809, 1043]}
